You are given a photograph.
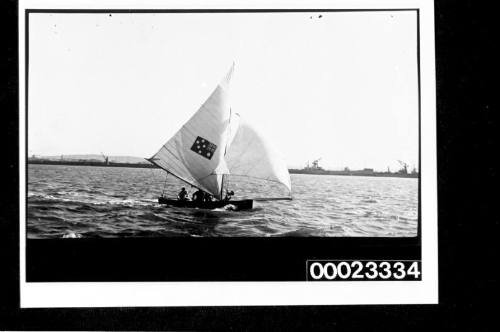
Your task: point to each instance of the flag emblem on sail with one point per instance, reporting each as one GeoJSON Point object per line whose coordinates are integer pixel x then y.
{"type": "Point", "coordinates": [204, 147]}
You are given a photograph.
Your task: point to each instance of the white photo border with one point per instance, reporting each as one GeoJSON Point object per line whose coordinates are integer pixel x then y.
{"type": "Point", "coordinates": [152, 294]}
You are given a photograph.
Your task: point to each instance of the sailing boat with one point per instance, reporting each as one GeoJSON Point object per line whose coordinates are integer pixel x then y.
{"type": "Point", "coordinates": [214, 144]}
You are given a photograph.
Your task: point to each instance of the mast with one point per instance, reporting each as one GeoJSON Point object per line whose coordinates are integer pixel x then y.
{"type": "Point", "coordinates": [225, 151]}
{"type": "Point", "coordinates": [222, 187]}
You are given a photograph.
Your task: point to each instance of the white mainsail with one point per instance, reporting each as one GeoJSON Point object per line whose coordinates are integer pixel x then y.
{"type": "Point", "coordinates": [215, 142]}
{"type": "Point", "coordinates": [195, 154]}
{"type": "Point", "coordinates": [250, 155]}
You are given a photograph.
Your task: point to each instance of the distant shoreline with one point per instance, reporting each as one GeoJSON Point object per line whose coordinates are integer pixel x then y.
{"type": "Point", "coordinates": [292, 171]}
{"type": "Point", "coordinates": [88, 163]}
{"type": "Point", "coordinates": [355, 173]}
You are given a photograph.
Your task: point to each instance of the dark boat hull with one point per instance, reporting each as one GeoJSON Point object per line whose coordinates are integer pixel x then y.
{"type": "Point", "coordinates": [245, 204]}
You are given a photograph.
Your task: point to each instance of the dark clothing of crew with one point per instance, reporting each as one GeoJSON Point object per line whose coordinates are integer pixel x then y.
{"type": "Point", "coordinates": [228, 196]}
{"type": "Point", "coordinates": [183, 195]}
{"type": "Point", "coordinates": [207, 198]}
{"type": "Point", "coordinates": [198, 196]}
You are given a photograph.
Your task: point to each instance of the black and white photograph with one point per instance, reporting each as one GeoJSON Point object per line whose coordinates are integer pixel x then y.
{"type": "Point", "coordinates": [248, 165]}
{"type": "Point", "coordinates": [223, 124]}
{"type": "Point", "coordinates": [233, 132]}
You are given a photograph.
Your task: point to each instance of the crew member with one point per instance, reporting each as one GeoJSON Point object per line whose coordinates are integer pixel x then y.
{"type": "Point", "coordinates": [208, 197]}
{"type": "Point", "coordinates": [183, 195]}
{"type": "Point", "coordinates": [198, 196]}
{"type": "Point", "coordinates": [229, 194]}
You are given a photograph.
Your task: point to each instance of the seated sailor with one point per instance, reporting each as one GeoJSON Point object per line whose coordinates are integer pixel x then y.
{"type": "Point", "coordinates": [198, 196]}
{"type": "Point", "coordinates": [229, 194]}
{"type": "Point", "coordinates": [207, 197]}
{"type": "Point", "coordinates": [183, 195]}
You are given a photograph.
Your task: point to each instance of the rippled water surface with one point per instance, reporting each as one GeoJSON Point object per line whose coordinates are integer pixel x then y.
{"type": "Point", "coordinates": [83, 201]}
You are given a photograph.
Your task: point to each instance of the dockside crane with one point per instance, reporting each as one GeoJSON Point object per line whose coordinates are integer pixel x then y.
{"type": "Point", "coordinates": [404, 167]}
{"type": "Point", "coordinates": [106, 159]}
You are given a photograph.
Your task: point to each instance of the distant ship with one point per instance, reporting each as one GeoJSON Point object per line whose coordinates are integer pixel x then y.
{"type": "Point", "coordinates": [215, 144]}
{"type": "Point", "coordinates": [315, 169]}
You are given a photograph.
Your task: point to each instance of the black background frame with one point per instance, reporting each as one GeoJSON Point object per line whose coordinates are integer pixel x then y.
{"type": "Point", "coordinates": [468, 211]}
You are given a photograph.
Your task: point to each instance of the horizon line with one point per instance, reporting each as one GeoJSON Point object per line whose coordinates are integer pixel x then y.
{"type": "Point", "coordinates": [40, 156]}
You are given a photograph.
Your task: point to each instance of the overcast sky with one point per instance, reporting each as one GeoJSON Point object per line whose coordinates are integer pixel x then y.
{"type": "Point", "coordinates": [342, 87]}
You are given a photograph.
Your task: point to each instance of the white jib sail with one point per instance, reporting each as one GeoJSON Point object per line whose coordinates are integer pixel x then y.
{"type": "Point", "coordinates": [252, 156]}
{"type": "Point", "coordinates": [195, 153]}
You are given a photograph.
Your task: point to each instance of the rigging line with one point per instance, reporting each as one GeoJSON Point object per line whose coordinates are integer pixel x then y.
{"type": "Point", "coordinates": [178, 177]}
{"type": "Point", "coordinates": [263, 179]}
{"type": "Point", "coordinates": [152, 173]}
{"type": "Point", "coordinates": [264, 199]}
{"type": "Point", "coordinates": [164, 186]}
{"type": "Point", "coordinates": [182, 163]}
{"type": "Point", "coordinates": [191, 184]}
{"type": "Point", "coordinates": [168, 150]}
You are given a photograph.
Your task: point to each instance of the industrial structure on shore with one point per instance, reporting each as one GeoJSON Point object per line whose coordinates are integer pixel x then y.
{"type": "Point", "coordinates": [315, 168]}
{"type": "Point", "coordinates": [310, 168]}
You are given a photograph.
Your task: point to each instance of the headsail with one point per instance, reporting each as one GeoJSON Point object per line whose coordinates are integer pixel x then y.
{"type": "Point", "coordinates": [195, 154]}
{"type": "Point", "coordinates": [252, 156]}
